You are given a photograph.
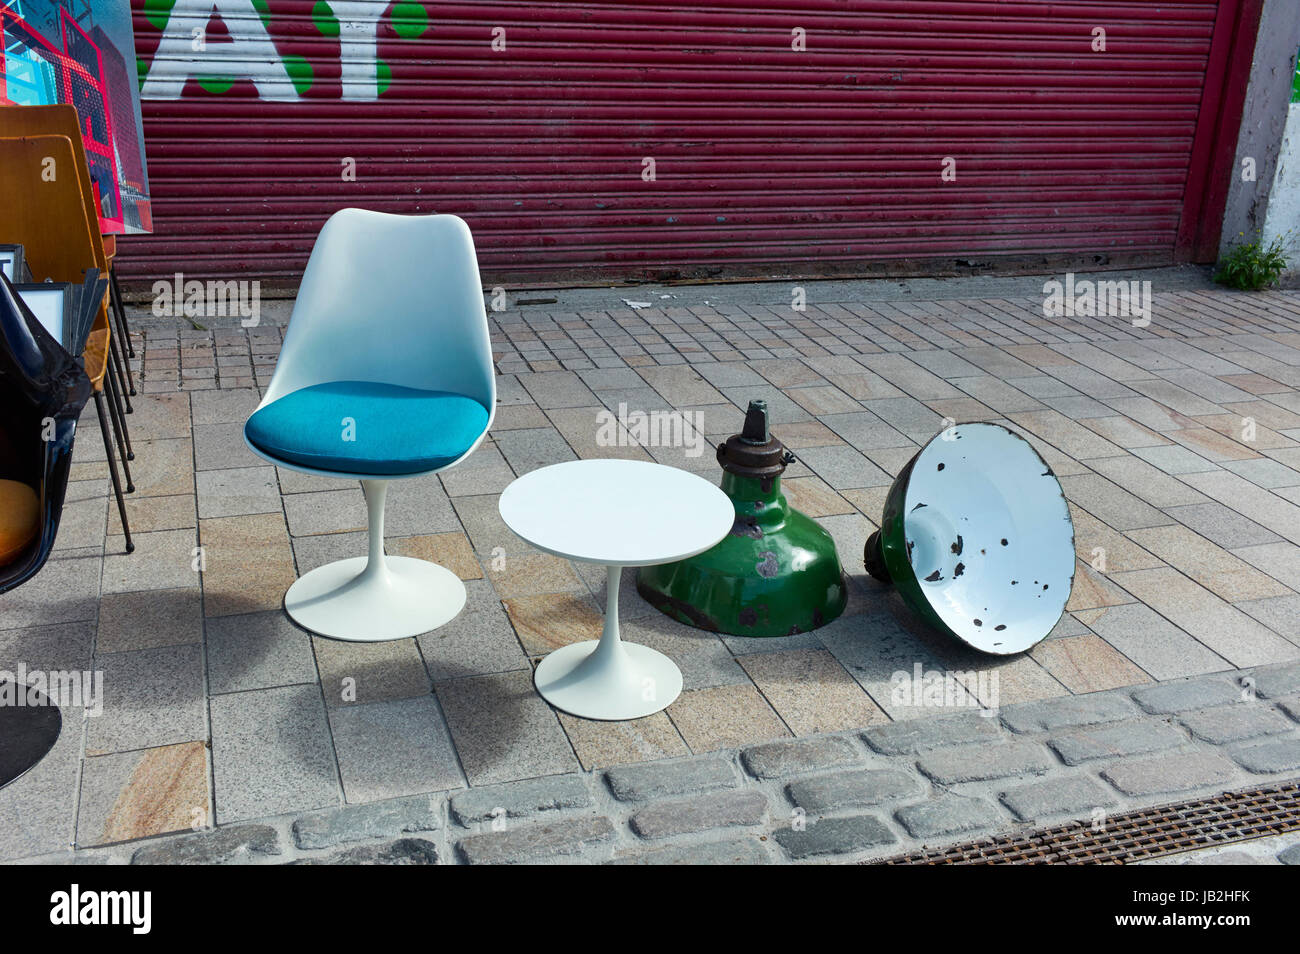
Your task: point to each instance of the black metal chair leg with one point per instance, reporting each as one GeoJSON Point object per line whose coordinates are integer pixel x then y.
{"type": "Point", "coordinates": [123, 345]}
{"type": "Point", "coordinates": [112, 469]}
{"type": "Point", "coordinates": [115, 353]}
{"type": "Point", "coordinates": [113, 412]}
{"type": "Point", "coordinates": [119, 421]}
{"type": "Point", "coordinates": [115, 293]}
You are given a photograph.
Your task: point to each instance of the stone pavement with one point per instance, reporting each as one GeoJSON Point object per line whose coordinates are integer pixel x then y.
{"type": "Point", "coordinates": [1174, 673]}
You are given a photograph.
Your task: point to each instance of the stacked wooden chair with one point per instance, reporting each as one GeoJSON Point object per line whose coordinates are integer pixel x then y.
{"type": "Point", "coordinates": [46, 192]}
{"type": "Point", "coordinates": [61, 119]}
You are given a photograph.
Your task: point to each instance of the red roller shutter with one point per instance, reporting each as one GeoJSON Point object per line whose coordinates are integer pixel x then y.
{"type": "Point", "coordinates": [767, 159]}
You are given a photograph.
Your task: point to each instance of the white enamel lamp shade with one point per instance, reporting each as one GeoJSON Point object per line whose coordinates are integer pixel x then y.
{"type": "Point", "coordinates": [986, 538]}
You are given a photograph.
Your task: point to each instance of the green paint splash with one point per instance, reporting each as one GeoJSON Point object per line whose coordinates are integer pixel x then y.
{"type": "Point", "coordinates": [323, 17]}
{"type": "Point", "coordinates": [300, 72]}
{"type": "Point", "coordinates": [409, 20]}
{"type": "Point", "coordinates": [158, 12]}
{"type": "Point", "coordinates": [216, 84]}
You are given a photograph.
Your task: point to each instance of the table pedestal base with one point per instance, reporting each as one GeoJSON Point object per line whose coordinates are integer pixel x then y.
{"type": "Point", "coordinates": [634, 682]}
{"type": "Point", "coordinates": [27, 732]}
{"type": "Point", "coordinates": [608, 679]}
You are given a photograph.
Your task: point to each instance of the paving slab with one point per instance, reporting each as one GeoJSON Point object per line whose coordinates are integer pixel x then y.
{"type": "Point", "coordinates": [393, 748]}
{"type": "Point", "coordinates": [1154, 644]}
{"type": "Point", "coordinates": [144, 793]}
{"type": "Point", "coordinates": [355, 673]}
{"type": "Point", "coordinates": [477, 642]}
{"type": "Point", "coordinates": [600, 744]}
{"type": "Point", "coordinates": [271, 754]}
{"type": "Point", "coordinates": [503, 730]}
{"type": "Point", "coordinates": [247, 564]}
{"type": "Point", "coordinates": [237, 490]}
{"type": "Point", "coordinates": [38, 810]}
{"type": "Point", "coordinates": [1219, 625]}
{"type": "Point", "coordinates": [66, 590]}
{"type": "Point", "coordinates": [1210, 565]}
{"type": "Point", "coordinates": [724, 717]}
{"type": "Point", "coordinates": [152, 697]}
{"type": "Point", "coordinates": [257, 651]}
{"type": "Point", "coordinates": [811, 691]}
{"type": "Point", "coordinates": [149, 619]}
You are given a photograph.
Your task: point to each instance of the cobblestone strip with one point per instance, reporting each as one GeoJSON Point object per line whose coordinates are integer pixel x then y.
{"type": "Point", "coordinates": [846, 796]}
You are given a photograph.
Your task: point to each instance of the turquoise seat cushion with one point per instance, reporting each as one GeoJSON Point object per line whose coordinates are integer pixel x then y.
{"type": "Point", "coordinates": [360, 427]}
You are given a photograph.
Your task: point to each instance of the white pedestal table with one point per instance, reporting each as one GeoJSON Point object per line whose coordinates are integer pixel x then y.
{"type": "Point", "coordinates": [617, 513]}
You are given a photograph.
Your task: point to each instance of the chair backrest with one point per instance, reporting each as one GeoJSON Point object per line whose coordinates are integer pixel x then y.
{"type": "Point", "coordinates": [45, 210]}
{"type": "Point", "coordinates": [391, 299]}
{"type": "Point", "coordinates": [59, 119]}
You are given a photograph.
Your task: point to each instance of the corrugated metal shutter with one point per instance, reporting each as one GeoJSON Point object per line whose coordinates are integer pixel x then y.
{"type": "Point", "coordinates": [767, 159]}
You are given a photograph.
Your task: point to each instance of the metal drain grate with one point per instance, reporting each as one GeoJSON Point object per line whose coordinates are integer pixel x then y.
{"type": "Point", "coordinates": [1234, 816]}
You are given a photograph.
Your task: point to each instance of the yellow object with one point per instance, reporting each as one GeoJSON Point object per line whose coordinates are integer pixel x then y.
{"type": "Point", "coordinates": [20, 519]}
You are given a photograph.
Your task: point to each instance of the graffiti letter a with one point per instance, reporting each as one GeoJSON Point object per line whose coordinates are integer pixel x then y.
{"type": "Point", "coordinates": [250, 54]}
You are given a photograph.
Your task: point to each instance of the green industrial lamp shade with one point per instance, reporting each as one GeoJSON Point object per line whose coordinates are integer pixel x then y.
{"type": "Point", "coordinates": [977, 537]}
{"type": "Point", "coordinates": [775, 574]}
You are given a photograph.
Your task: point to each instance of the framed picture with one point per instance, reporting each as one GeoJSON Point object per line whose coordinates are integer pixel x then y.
{"type": "Point", "coordinates": [82, 52]}
{"type": "Point", "coordinates": [13, 264]}
{"type": "Point", "coordinates": [54, 305]}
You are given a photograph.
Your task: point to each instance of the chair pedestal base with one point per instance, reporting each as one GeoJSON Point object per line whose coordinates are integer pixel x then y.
{"type": "Point", "coordinates": [405, 597]}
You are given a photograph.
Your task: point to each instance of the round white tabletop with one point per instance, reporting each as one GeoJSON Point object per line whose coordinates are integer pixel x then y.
{"type": "Point", "coordinates": [619, 513]}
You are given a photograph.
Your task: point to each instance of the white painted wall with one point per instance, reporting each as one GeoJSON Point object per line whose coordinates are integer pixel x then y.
{"type": "Point", "coordinates": [1283, 216]}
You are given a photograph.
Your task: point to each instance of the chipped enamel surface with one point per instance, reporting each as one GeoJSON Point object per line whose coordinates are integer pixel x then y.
{"type": "Point", "coordinates": [989, 537]}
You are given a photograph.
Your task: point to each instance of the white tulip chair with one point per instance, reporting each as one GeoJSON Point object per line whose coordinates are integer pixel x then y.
{"type": "Point", "coordinates": [385, 373]}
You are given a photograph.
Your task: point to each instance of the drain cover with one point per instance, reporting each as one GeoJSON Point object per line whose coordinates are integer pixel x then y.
{"type": "Point", "coordinates": [1120, 839]}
